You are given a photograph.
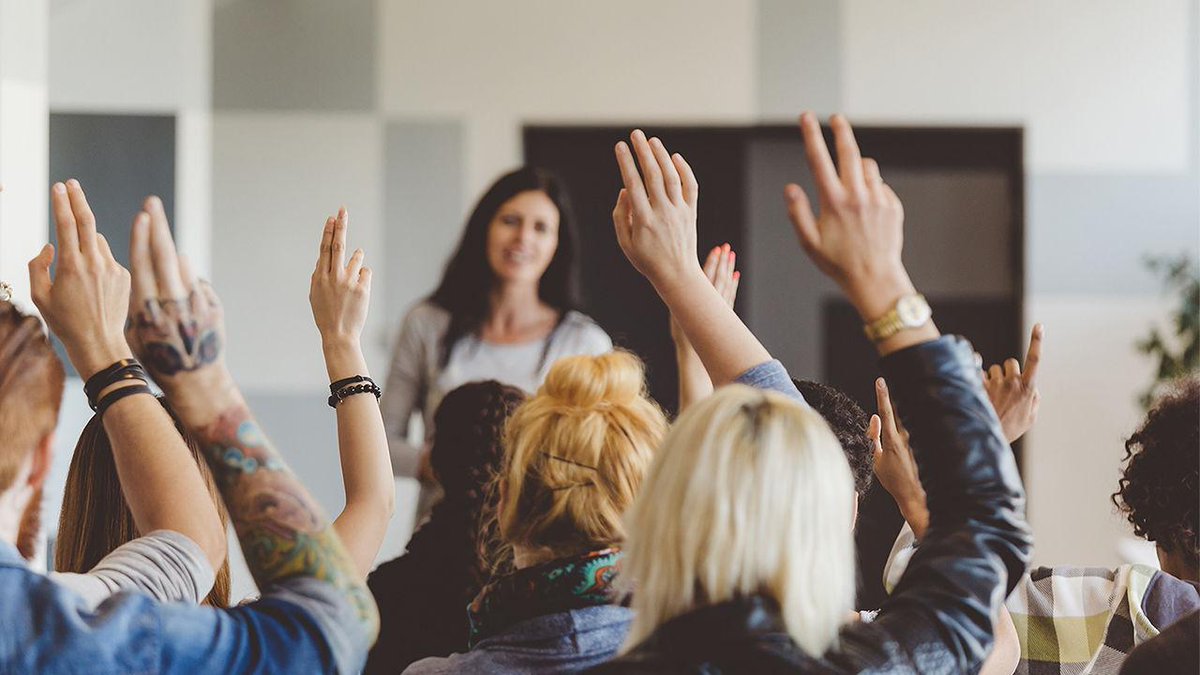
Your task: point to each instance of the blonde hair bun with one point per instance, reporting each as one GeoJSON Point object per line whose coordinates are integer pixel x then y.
{"type": "Point", "coordinates": [612, 379]}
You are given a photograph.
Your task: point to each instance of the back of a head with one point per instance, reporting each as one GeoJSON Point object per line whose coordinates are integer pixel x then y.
{"type": "Point", "coordinates": [95, 518]}
{"type": "Point", "coordinates": [468, 447]}
{"type": "Point", "coordinates": [31, 386]}
{"type": "Point", "coordinates": [849, 423]}
{"type": "Point", "coordinates": [576, 453]}
{"type": "Point", "coordinates": [749, 495]}
{"type": "Point", "coordinates": [1159, 490]}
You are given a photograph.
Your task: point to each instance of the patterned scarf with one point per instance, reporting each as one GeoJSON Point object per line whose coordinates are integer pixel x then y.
{"type": "Point", "coordinates": [557, 586]}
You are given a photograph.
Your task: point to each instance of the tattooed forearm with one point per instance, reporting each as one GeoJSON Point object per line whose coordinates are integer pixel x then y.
{"type": "Point", "coordinates": [281, 528]}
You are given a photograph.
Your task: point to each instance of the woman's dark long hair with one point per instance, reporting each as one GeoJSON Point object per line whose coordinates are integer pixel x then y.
{"type": "Point", "coordinates": [468, 278]}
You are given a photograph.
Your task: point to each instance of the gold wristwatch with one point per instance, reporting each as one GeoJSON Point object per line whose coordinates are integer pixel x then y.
{"type": "Point", "coordinates": [910, 311]}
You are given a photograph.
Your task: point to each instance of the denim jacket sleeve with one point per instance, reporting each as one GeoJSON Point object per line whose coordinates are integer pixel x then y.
{"type": "Point", "coordinates": [939, 616]}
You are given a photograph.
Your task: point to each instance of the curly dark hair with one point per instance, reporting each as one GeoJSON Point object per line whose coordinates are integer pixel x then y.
{"type": "Point", "coordinates": [423, 594]}
{"type": "Point", "coordinates": [1158, 487]}
{"type": "Point", "coordinates": [849, 423]}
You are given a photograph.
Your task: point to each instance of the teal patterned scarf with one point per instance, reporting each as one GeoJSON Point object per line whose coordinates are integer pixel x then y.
{"type": "Point", "coordinates": [557, 586]}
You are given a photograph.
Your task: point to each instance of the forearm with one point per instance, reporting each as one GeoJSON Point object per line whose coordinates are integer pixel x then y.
{"type": "Point", "coordinates": [723, 343]}
{"type": "Point", "coordinates": [159, 477]}
{"type": "Point", "coordinates": [694, 383]}
{"type": "Point", "coordinates": [282, 531]}
{"type": "Point", "coordinates": [366, 464]}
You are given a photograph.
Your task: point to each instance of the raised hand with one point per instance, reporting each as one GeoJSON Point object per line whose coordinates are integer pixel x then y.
{"type": "Point", "coordinates": [857, 235]}
{"type": "Point", "coordinates": [655, 222]}
{"type": "Point", "coordinates": [655, 215]}
{"type": "Point", "coordinates": [86, 302]}
{"type": "Point", "coordinates": [895, 465]}
{"type": "Point", "coordinates": [340, 292]}
{"type": "Point", "coordinates": [1014, 394]}
{"type": "Point", "coordinates": [176, 325]}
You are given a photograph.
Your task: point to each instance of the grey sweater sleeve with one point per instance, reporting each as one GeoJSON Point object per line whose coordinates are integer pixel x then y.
{"type": "Point", "coordinates": [165, 565]}
{"type": "Point", "coordinates": [772, 376]}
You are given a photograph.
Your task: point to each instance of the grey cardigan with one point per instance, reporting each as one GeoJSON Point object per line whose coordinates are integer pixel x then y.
{"type": "Point", "coordinates": [417, 383]}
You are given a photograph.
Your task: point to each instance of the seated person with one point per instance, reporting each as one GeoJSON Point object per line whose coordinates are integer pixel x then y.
{"type": "Point", "coordinates": [315, 613]}
{"type": "Point", "coordinates": [98, 535]}
{"type": "Point", "coordinates": [1109, 611]}
{"type": "Point", "coordinates": [758, 574]}
{"type": "Point", "coordinates": [574, 457]}
{"type": "Point", "coordinates": [423, 594]}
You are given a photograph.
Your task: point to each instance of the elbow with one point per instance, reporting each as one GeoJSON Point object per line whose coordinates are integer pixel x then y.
{"type": "Point", "coordinates": [215, 545]}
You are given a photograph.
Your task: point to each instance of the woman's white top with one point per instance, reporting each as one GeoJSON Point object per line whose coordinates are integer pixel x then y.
{"type": "Point", "coordinates": [416, 383]}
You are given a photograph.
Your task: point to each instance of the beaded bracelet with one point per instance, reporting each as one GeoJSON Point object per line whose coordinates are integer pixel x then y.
{"type": "Point", "coordinates": [118, 394]}
{"type": "Point", "coordinates": [367, 386]}
{"type": "Point", "coordinates": [125, 369]}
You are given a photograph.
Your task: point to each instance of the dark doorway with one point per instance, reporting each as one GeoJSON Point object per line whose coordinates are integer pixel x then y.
{"type": "Point", "coordinates": [963, 191]}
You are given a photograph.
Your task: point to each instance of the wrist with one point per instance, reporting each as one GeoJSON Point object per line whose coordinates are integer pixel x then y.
{"type": "Point", "coordinates": [95, 358]}
{"type": "Point", "coordinates": [203, 396]}
{"type": "Point", "coordinates": [343, 358]}
{"type": "Point", "coordinates": [874, 294]}
{"type": "Point", "coordinates": [678, 288]}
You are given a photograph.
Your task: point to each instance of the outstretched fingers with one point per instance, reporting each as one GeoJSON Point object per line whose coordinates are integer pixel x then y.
{"type": "Point", "coordinates": [162, 251]}
{"type": "Point", "coordinates": [829, 187]}
{"type": "Point", "coordinates": [65, 229]}
{"type": "Point", "coordinates": [671, 181]}
{"type": "Point", "coordinates": [1034, 356]}
{"type": "Point", "coordinates": [141, 262]}
{"type": "Point", "coordinates": [340, 224]}
{"type": "Point", "coordinates": [691, 188]}
{"type": "Point", "coordinates": [801, 214]}
{"type": "Point", "coordinates": [651, 173]}
{"type": "Point", "coordinates": [850, 162]}
{"type": "Point", "coordinates": [635, 190]}
{"type": "Point", "coordinates": [85, 222]}
{"type": "Point", "coordinates": [325, 252]}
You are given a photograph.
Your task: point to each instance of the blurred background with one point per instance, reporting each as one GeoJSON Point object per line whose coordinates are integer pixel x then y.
{"type": "Point", "coordinates": [1043, 151]}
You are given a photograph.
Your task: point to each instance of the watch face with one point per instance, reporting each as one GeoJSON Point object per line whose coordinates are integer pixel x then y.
{"type": "Point", "coordinates": [913, 310]}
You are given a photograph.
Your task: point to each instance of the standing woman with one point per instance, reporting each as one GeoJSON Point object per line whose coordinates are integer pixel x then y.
{"type": "Point", "coordinates": [505, 310]}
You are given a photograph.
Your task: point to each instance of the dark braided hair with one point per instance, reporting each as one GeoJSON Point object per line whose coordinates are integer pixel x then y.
{"type": "Point", "coordinates": [423, 594]}
{"type": "Point", "coordinates": [466, 454]}
{"type": "Point", "coordinates": [849, 424]}
{"type": "Point", "coordinates": [1158, 491]}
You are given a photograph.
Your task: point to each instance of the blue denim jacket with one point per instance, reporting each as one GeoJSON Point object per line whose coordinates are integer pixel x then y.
{"type": "Point", "coordinates": [556, 643]}
{"type": "Point", "coordinates": [300, 626]}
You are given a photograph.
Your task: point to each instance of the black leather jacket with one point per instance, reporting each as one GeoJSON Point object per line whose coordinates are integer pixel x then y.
{"type": "Point", "coordinates": [939, 617]}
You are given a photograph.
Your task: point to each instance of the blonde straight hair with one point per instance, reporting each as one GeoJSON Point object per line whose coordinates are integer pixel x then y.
{"type": "Point", "coordinates": [749, 495]}
{"type": "Point", "coordinates": [575, 454]}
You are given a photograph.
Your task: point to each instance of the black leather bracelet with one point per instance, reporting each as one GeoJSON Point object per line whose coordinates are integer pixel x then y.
{"type": "Point", "coordinates": [335, 386]}
{"type": "Point", "coordinates": [125, 369]}
{"type": "Point", "coordinates": [345, 392]}
{"type": "Point", "coordinates": [118, 394]}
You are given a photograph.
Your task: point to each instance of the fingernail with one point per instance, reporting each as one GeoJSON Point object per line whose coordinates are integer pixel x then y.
{"type": "Point", "coordinates": [60, 188]}
{"type": "Point", "coordinates": [732, 256]}
{"type": "Point", "coordinates": [73, 183]}
{"type": "Point", "coordinates": [737, 275]}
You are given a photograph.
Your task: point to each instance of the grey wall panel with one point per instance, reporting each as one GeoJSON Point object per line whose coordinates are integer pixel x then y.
{"type": "Point", "coordinates": [424, 208]}
{"type": "Point", "coordinates": [294, 54]}
{"type": "Point", "coordinates": [799, 57]}
{"type": "Point", "coordinates": [1090, 233]}
{"type": "Point", "coordinates": [119, 160]}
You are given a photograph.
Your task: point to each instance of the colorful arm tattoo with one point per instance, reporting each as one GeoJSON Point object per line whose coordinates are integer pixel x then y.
{"type": "Point", "coordinates": [282, 530]}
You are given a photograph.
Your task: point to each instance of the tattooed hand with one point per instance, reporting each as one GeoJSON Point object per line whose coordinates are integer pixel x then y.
{"type": "Point", "coordinates": [176, 327]}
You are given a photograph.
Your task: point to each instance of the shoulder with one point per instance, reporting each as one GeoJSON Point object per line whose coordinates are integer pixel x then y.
{"type": "Point", "coordinates": [580, 334]}
{"type": "Point", "coordinates": [428, 316]}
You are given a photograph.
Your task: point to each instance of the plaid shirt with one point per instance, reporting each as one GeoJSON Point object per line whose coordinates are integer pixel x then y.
{"type": "Point", "coordinates": [1080, 620]}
